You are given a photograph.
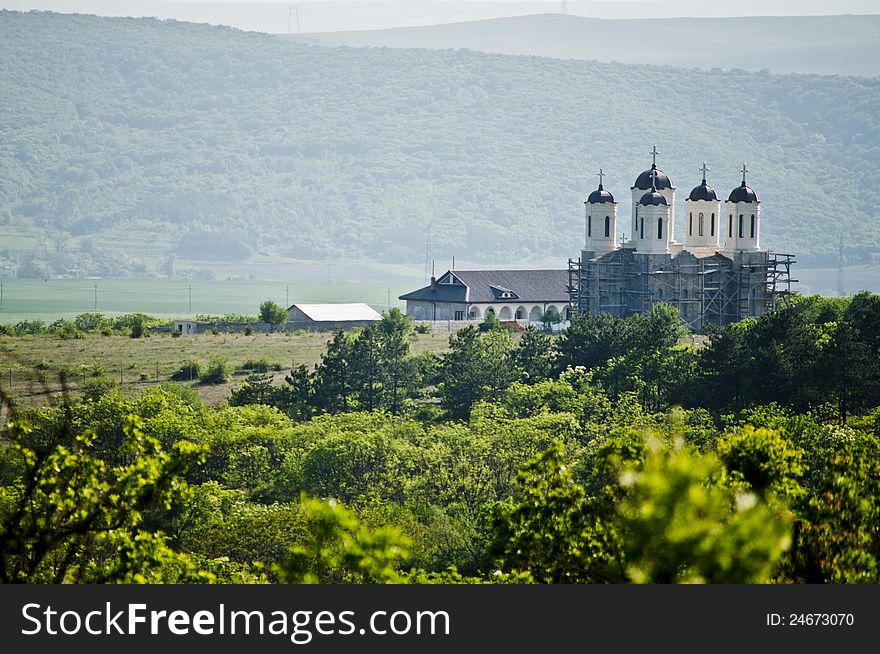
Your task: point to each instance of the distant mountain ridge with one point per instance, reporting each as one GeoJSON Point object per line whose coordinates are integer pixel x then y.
{"type": "Point", "coordinates": [148, 139]}
{"type": "Point", "coordinates": [828, 45]}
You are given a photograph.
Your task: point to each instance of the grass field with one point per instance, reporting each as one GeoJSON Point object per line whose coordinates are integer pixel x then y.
{"type": "Point", "coordinates": [140, 363]}
{"type": "Point", "coordinates": [36, 299]}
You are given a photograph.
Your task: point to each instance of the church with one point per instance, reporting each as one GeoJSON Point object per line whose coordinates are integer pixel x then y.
{"type": "Point", "coordinates": [717, 273]}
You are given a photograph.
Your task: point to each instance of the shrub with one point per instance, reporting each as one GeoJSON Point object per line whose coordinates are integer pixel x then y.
{"type": "Point", "coordinates": [259, 365]}
{"type": "Point", "coordinates": [29, 327]}
{"type": "Point", "coordinates": [92, 322]}
{"type": "Point", "coordinates": [422, 328]}
{"type": "Point", "coordinates": [94, 389]}
{"type": "Point", "coordinates": [188, 371]}
{"type": "Point", "coordinates": [64, 329]}
{"type": "Point", "coordinates": [216, 373]}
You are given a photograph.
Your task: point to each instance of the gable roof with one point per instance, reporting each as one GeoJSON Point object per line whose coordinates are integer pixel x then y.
{"type": "Point", "coordinates": [485, 286]}
{"type": "Point", "coordinates": [337, 312]}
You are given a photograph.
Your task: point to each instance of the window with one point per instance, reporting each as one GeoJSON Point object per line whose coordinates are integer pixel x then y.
{"type": "Point", "coordinates": [660, 293]}
{"type": "Point", "coordinates": [589, 227]}
{"type": "Point", "coordinates": [740, 225]}
{"type": "Point", "coordinates": [712, 225]}
{"type": "Point", "coordinates": [642, 229]}
{"type": "Point", "coordinates": [691, 225]}
{"type": "Point", "coordinates": [659, 228]}
{"type": "Point", "coordinates": [753, 227]}
{"type": "Point", "coordinates": [701, 224]}
{"type": "Point", "coordinates": [459, 315]}
{"type": "Point", "coordinates": [730, 226]}
{"type": "Point", "coordinates": [608, 226]}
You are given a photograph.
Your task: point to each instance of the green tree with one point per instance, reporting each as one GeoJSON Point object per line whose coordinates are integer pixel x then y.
{"type": "Point", "coordinates": [339, 548]}
{"type": "Point", "coordinates": [70, 517]}
{"type": "Point", "coordinates": [272, 313]}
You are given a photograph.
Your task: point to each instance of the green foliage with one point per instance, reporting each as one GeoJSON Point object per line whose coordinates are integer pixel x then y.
{"type": "Point", "coordinates": [555, 532]}
{"type": "Point", "coordinates": [217, 372]}
{"type": "Point", "coordinates": [680, 527]}
{"type": "Point", "coordinates": [341, 549]}
{"type": "Point", "coordinates": [188, 371]}
{"type": "Point", "coordinates": [71, 516]}
{"type": "Point", "coordinates": [92, 322]}
{"type": "Point", "coordinates": [272, 313]}
{"type": "Point", "coordinates": [764, 459]}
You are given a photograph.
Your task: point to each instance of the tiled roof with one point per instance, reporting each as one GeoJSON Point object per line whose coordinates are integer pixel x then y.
{"type": "Point", "coordinates": [486, 286]}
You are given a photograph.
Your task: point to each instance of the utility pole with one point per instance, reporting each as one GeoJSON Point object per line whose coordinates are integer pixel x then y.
{"type": "Point", "coordinates": [1, 295]}
{"type": "Point", "coordinates": [389, 299]}
{"type": "Point", "coordinates": [190, 298]}
{"type": "Point", "coordinates": [286, 296]}
{"type": "Point", "coordinates": [841, 263]}
{"type": "Point", "coordinates": [96, 297]}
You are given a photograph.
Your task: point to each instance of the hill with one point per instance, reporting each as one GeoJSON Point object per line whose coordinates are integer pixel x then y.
{"type": "Point", "coordinates": [828, 45]}
{"type": "Point", "coordinates": [127, 140]}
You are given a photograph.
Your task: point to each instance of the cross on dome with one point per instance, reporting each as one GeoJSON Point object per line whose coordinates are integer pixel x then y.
{"type": "Point", "coordinates": [705, 169]}
{"type": "Point", "coordinates": [654, 154]}
{"type": "Point", "coordinates": [744, 171]}
{"type": "Point", "coordinates": [601, 175]}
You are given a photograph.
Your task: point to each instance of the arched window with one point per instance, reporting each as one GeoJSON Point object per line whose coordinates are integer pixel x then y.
{"type": "Point", "coordinates": [753, 227]}
{"type": "Point", "coordinates": [607, 226]}
{"type": "Point", "coordinates": [691, 224]}
{"type": "Point", "coordinates": [642, 228]}
{"type": "Point", "coordinates": [712, 225]}
{"type": "Point", "coordinates": [701, 223]}
{"type": "Point", "coordinates": [684, 294]}
{"type": "Point", "coordinates": [659, 228]}
{"type": "Point", "coordinates": [589, 227]}
{"type": "Point", "coordinates": [730, 226]}
{"type": "Point", "coordinates": [660, 293]}
{"type": "Point", "coordinates": [740, 225]}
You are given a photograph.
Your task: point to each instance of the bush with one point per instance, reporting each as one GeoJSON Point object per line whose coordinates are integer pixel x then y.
{"type": "Point", "coordinates": [422, 328]}
{"type": "Point", "coordinates": [92, 322]}
{"type": "Point", "coordinates": [138, 326]}
{"type": "Point", "coordinates": [64, 329]}
{"type": "Point", "coordinates": [6, 330]}
{"type": "Point", "coordinates": [216, 373]}
{"type": "Point", "coordinates": [248, 330]}
{"type": "Point", "coordinates": [94, 389]}
{"type": "Point", "coordinates": [259, 365]}
{"type": "Point", "coordinates": [29, 327]}
{"type": "Point", "coordinates": [188, 371]}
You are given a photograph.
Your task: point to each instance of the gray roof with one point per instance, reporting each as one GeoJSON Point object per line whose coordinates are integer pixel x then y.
{"type": "Point", "coordinates": [472, 286]}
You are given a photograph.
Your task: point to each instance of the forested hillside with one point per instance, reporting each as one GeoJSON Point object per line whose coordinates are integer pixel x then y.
{"type": "Point", "coordinates": [139, 138]}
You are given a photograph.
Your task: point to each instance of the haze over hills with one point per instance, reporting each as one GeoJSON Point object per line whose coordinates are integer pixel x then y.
{"type": "Point", "coordinates": [834, 45]}
{"type": "Point", "coordinates": [127, 140]}
{"type": "Point", "coordinates": [283, 16]}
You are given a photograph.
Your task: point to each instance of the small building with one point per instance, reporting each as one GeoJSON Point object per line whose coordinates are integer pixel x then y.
{"type": "Point", "coordinates": [330, 316]}
{"type": "Point", "coordinates": [521, 295]}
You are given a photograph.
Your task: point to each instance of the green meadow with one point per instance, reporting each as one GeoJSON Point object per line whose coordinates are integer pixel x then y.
{"type": "Point", "coordinates": [48, 300]}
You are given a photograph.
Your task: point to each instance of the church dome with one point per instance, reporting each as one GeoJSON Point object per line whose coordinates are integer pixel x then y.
{"type": "Point", "coordinates": [742, 193]}
{"type": "Point", "coordinates": [654, 198]}
{"type": "Point", "coordinates": [703, 192]}
{"type": "Point", "coordinates": [652, 178]}
{"type": "Point", "coordinates": [600, 195]}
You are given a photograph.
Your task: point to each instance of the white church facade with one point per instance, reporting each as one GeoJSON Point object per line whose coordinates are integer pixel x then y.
{"type": "Point", "coordinates": [716, 272]}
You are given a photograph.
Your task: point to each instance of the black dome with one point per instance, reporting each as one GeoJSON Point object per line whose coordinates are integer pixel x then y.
{"type": "Point", "coordinates": [653, 198]}
{"type": "Point", "coordinates": [655, 178]}
{"type": "Point", "coordinates": [742, 193]}
{"type": "Point", "coordinates": [600, 195]}
{"type": "Point", "coordinates": [703, 192]}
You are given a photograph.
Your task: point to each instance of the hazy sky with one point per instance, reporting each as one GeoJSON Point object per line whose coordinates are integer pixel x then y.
{"type": "Point", "coordinates": [331, 15]}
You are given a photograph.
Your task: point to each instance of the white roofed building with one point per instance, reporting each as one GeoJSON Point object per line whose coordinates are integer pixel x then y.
{"type": "Point", "coordinates": [331, 316]}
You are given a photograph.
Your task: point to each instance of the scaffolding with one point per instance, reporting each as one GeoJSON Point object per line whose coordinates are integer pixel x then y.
{"type": "Point", "coordinates": [717, 289]}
